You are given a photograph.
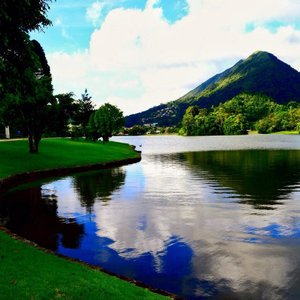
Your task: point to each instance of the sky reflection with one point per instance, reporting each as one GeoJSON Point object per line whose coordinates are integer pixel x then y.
{"type": "Point", "coordinates": [196, 224]}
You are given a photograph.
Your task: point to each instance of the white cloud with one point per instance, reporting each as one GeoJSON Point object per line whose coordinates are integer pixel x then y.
{"type": "Point", "coordinates": [93, 12]}
{"type": "Point", "coordinates": [137, 60]}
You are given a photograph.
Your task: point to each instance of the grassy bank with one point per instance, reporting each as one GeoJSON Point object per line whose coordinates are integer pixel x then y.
{"type": "Point", "coordinates": [287, 132]}
{"type": "Point", "coordinates": [29, 273]}
{"type": "Point", "coordinates": [58, 153]}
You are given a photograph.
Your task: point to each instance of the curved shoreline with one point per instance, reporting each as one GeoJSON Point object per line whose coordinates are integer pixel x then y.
{"type": "Point", "coordinates": [94, 267]}
{"type": "Point", "coordinates": [18, 179]}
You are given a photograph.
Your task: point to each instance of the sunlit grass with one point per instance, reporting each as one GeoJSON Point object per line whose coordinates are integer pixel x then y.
{"type": "Point", "coordinates": [57, 153]}
{"type": "Point", "coordinates": [287, 132]}
{"type": "Point", "coordinates": [29, 273]}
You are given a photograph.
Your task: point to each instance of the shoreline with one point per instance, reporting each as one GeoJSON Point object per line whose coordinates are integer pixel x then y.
{"type": "Point", "coordinates": [22, 178]}
{"type": "Point", "coordinates": [13, 181]}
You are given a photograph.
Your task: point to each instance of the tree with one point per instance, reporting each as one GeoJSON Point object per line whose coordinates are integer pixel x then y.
{"type": "Point", "coordinates": [85, 108]}
{"type": "Point", "coordinates": [106, 121]}
{"type": "Point", "coordinates": [137, 130]}
{"type": "Point", "coordinates": [235, 124]}
{"type": "Point", "coordinates": [188, 121]}
{"type": "Point", "coordinates": [37, 104]}
{"type": "Point", "coordinates": [64, 111]}
{"type": "Point", "coordinates": [31, 98]}
{"type": "Point", "coordinates": [25, 79]}
{"type": "Point", "coordinates": [18, 18]}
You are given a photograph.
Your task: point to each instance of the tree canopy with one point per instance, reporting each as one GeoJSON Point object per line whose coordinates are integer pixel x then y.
{"type": "Point", "coordinates": [25, 79]}
{"type": "Point", "coordinates": [240, 114]}
{"type": "Point", "coordinates": [106, 121]}
{"type": "Point", "coordinates": [85, 107]}
{"type": "Point", "coordinates": [17, 19]}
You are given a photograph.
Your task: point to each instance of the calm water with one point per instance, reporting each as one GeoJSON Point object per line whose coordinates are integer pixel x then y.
{"type": "Point", "coordinates": [202, 224]}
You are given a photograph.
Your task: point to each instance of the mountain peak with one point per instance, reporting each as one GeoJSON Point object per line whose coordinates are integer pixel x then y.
{"type": "Point", "coordinates": [261, 53]}
{"type": "Point", "coordinates": [261, 73]}
{"type": "Point", "coordinates": [262, 56]}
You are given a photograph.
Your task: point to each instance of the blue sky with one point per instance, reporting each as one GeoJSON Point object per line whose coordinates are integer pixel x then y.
{"type": "Point", "coordinates": [140, 53]}
{"type": "Point", "coordinates": [74, 21]}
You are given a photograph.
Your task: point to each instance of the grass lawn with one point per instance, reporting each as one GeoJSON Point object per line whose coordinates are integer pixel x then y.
{"type": "Point", "coordinates": [56, 153]}
{"type": "Point", "coordinates": [29, 273]}
{"type": "Point", "coordinates": [278, 132]}
{"type": "Point", "coordinates": [287, 132]}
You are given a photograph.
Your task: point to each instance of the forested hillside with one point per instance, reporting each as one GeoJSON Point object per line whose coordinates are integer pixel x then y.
{"type": "Point", "coordinates": [261, 73]}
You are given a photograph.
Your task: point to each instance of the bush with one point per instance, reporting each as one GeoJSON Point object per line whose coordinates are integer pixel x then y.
{"type": "Point", "coordinates": [235, 125]}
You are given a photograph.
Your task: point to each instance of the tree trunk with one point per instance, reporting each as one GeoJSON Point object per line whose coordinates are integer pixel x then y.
{"type": "Point", "coordinates": [34, 140]}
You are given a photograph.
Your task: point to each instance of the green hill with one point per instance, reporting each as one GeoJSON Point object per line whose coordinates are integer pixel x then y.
{"type": "Point", "coordinates": [261, 73]}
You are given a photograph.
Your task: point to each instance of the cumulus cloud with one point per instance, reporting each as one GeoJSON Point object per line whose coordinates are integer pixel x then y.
{"type": "Point", "coordinates": [136, 59]}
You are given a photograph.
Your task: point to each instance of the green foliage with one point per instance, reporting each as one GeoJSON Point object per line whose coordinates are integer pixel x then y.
{"type": "Point", "coordinates": [240, 114]}
{"type": "Point", "coordinates": [28, 96]}
{"type": "Point", "coordinates": [137, 130]}
{"type": "Point", "coordinates": [25, 79]}
{"type": "Point", "coordinates": [264, 125]}
{"type": "Point", "coordinates": [188, 122]}
{"type": "Point", "coordinates": [261, 73]}
{"type": "Point", "coordinates": [64, 109]}
{"type": "Point", "coordinates": [105, 122]}
{"type": "Point", "coordinates": [85, 107]}
{"type": "Point", "coordinates": [283, 118]}
{"type": "Point", "coordinates": [203, 123]}
{"type": "Point", "coordinates": [235, 124]}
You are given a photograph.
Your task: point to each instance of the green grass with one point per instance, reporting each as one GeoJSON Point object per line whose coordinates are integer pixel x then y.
{"type": "Point", "coordinates": [287, 132]}
{"type": "Point", "coordinates": [56, 153]}
{"type": "Point", "coordinates": [29, 273]}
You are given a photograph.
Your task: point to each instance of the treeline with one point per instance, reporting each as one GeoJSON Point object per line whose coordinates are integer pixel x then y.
{"type": "Point", "coordinates": [70, 117]}
{"type": "Point", "coordinates": [26, 92]}
{"type": "Point", "coordinates": [27, 104]}
{"type": "Point", "coordinates": [239, 115]}
{"type": "Point", "coordinates": [149, 129]}
{"type": "Point", "coordinates": [62, 116]}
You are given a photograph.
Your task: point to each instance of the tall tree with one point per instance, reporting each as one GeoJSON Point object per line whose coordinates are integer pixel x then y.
{"type": "Point", "coordinates": [17, 19]}
{"type": "Point", "coordinates": [34, 96]}
{"type": "Point", "coordinates": [85, 107]}
{"type": "Point", "coordinates": [25, 80]}
{"type": "Point", "coordinates": [188, 121]}
{"type": "Point", "coordinates": [64, 111]}
{"type": "Point", "coordinates": [106, 121]}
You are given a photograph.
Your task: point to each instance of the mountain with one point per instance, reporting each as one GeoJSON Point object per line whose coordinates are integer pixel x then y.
{"type": "Point", "coordinates": [260, 73]}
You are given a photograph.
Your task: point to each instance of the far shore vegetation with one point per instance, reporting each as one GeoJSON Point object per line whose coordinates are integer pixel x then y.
{"type": "Point", "coordinates": [243, 113]}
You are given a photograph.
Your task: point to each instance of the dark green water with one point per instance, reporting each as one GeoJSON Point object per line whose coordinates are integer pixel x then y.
{"type": "Point", "coordinates": [207, 225]}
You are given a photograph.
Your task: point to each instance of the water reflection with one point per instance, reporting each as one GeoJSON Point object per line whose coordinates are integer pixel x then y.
{"type": "Point", "coordinates": [34, 216]}
{"type": "Point", "coordinates": [195, 224]}
{"type": "Point", "coordinates": [260, 178]}
{"type": "Point", "coordinates": [97, 185]}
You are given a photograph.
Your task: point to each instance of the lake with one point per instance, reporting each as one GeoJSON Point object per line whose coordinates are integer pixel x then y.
{"type": "Point", "coordinates": [201, 217]}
